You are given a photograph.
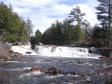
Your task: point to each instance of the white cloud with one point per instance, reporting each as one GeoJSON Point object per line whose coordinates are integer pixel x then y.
{"type": "Point", "coordinates": [21, 10]}
{"type": "Point", "coordinates": [61, 9]}
{"type": "Point", "coordinates": [44, 12]}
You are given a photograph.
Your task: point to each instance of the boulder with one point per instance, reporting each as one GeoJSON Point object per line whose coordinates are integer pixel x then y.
{"type": "Point", "coordinates": [5, 51]}
{"type": "Point", "coordinates": [53, 71]}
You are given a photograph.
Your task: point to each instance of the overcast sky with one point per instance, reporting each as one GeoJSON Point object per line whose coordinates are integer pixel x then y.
{"type": "Point", "coordinates": [44, 12]}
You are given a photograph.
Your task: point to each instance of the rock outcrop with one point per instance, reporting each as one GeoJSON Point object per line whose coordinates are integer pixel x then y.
{"type": "Point", "coordinates": [53, 71]}
{"type": "Point", "coordinates": [6, 53]}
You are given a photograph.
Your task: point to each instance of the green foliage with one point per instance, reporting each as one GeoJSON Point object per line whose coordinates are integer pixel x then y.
{"type": "Point", "coordinates": [76, 15]}
{"type": "Point", "coordinates": [79, 34]}
{"type": "Point", "coordinates": [35, 39]}
{"type": "Point", "coordinates": [104, 15]}
{"type": "Point", "coordinates": [98, 37]}
{"type": "Point", "coordinates": [38, 35]}
{"type": "Point", "coordinates": [29, 27]}
{"type": "Point", "coordinates": [53, 35]}
{"type": "Point", "coordinates": [12, 27]}
{"type": "Point", "coordinates": [66, 33]}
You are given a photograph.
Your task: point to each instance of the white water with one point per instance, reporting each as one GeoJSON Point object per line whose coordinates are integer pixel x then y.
{"type": "Point", "coordinates": [23, 49]}
{"type": "Point", "coordinates": [59, 51]}
{"type": "Point", "coordinates": [56, 51]}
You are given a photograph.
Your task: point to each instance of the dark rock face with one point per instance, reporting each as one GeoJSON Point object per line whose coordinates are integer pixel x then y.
{"type": "Point", "coordinates": [108, 82]}
{"type": "Point", "coordinates": [53, 71]}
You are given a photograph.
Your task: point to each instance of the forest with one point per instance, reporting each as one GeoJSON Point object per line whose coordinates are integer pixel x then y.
{"type": "Point", "coordinates": [13, 28]}
{"type": "Point", "coordinates": [74, 30]}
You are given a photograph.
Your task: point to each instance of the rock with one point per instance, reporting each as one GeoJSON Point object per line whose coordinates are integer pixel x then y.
{"type": "Point", "coordinates": [6, 58]}
{"type": "Point", "coordinates": [37, 68]}
{"type": "Point", "coordinates": [108, 82]}
{"type": "Point", "coordinates": [18, 54]}
{"type": "Point", "coordinates": [5, 51]}
{"type": "Point", "coordinates": [53, 71]}
{"type": "Point", "coordinates": [80, 62]}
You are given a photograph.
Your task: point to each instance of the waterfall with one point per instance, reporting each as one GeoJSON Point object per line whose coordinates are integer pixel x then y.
{"type": "Point", "coordinates": [62, 51]}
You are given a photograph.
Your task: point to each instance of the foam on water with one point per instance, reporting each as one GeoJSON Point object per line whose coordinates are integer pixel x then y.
{"type": "Point", "coordinates": [52, 77]}
{"type": "Point", "coordinates": [23, 49]}
{"type": "Point", "coordinates": [26, 68]}
{"type": "Point", "coordinates": [58, 51]}
{"type": "Point", "coordinates": [31, 74]}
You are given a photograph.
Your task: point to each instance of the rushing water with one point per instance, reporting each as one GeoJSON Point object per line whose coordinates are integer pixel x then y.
{"type": "Point", "coordinates": [64, 51]}
{"type": "Point", "coordinates": [87, 71]}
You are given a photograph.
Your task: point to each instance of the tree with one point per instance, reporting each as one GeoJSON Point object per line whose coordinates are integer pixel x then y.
{"type": "Point", "coordinates": [38, 35]}
{"type": "Point", "coordinates": [29, 27]}
{"type": "Point", "coordinates": [12, 26]}
{"type": "Point", "coordinates": [77, 17]}
{"type": "Point", "coordinates": [54, 34]}
{"type": "Point", "coordinates": [67, 31]}
{"type": "Point", "coordinates": [104, 15]}
{"type": "Point", "coordinates": [98, 36]}
{"type": "Point", "coordinates": [79, 35]}
{"type": "Point", "coordinates": [35, 39]}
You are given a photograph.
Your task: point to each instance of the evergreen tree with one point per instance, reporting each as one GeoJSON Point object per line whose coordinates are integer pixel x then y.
{"type": "Point", "coordinates": [104, 15]}
{"type": "Point", "coordinates": [54, 34]}
{"type": "Point", "coordinates": [12, 26]}
{"type": "Point", "coordinates": [77, 17]}
{"type": "Point", "coordinates": [98, 36]}
{"type": "Point", "coordinates": [35, 39]}
{"type": "Point", "coordinates": [29, 27]}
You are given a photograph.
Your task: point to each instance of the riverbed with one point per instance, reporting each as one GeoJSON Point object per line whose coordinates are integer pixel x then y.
{"type": "Point", "coordinates": [80, 71]}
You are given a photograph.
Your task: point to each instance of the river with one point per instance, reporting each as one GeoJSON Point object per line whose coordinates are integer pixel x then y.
{"type": "Point", "coordinates": [87, 71]}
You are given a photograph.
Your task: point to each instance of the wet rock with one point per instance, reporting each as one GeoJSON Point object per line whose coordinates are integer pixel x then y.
{"type": "Point", "coordinates": [37, 68]}
{"type": "Point", "coordinates": [108, 82]}
{"type": "Point", "coordinates": [80, 62]}
{"type": "Point", "coordinates": [53, 71]}
{"type": "Point", "coordinates": [18, 54]}
{"type": "Point", "coordinates": [68, 73]}
{"type": "Point", "coordinates": [104, 58]}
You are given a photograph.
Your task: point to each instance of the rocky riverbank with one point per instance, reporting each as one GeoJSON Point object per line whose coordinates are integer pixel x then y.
{"type": "Point", "coordinates": [6, 53]}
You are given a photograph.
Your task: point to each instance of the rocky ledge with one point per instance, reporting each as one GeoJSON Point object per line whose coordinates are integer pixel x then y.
{"type": "Point", "coordinates": [6, 53]}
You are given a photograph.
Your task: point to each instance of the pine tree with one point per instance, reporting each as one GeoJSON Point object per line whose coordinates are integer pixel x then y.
{"type": "Point", "coordinates": [77, 17]}
{"type": "Point", "coordinates": [104, 15]}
